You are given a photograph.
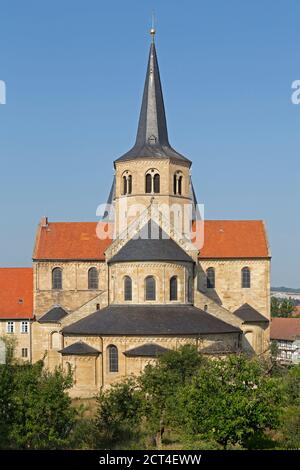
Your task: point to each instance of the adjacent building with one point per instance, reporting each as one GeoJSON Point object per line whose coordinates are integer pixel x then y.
{"type": "Point", "coordinates": [16, 310]}
{"type": "Point", "coordinates": [285, 333]}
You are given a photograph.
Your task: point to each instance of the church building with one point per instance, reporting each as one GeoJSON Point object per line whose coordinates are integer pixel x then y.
{"type": "Point", "coordinates": [103, 299]}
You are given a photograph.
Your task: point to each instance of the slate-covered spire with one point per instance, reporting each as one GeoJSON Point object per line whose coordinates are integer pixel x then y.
{"type": "Point", "coordinates": [152, 134]}
{"type": "Point", "coordinates": [152, 126]}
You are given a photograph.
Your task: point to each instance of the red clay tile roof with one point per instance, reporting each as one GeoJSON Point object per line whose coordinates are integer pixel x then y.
{"type": "Point", "coordinates": [234, 239]}
{"type": "Point", "coordinates": [16, 293]}
{"type": "Point", "coordinates": [222, 239]}
{"type": "Point", "coordinates": [285, 328]}
{"type": "Point", "coordinates": [69, 241]}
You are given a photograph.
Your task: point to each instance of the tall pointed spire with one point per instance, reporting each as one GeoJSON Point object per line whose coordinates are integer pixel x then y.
{"type": "Point", "coordinates": [152, 134]}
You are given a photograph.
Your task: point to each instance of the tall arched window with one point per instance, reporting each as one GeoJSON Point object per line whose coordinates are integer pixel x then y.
{"type": "Point", "coordinates": [150, 288]}
{"type": "Point", "coordinates": [175, 184]}
{"type": "Point", "coordinates": [127, 288]}
{"type": "Point", "coordinates": [152, 181]}
{"type": "Point", "coordinates": [93, 280]}
{"type": "Point", "coordinates": [129, 184]}
{"type": "Point", "coordinates": [148, 183]}
{"type": "Point", "coordinates": [210, 276]}
{"type": "Point", "coordinates": [180, 185]}
{"type": "Point", "coordinates": [156, 183]}
{"type": "Point", "coordinates": [246, 278]}
{"type": "Point", "coordinates": [113, 359]}
{"type": "Point", "coordinates": [174, 288]}
{"type": "Point", "coordinates": [57, 278]}
{"type": "Point", "coordinates": [124, 185]}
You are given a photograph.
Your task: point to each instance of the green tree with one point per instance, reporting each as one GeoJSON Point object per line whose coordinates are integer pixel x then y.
{"type": "Point", "coordinates": [290, 428]}
{"type": "Point", "coordinates": [159, 385]}
{"type": "Point", "coordinates": [36, 411]}
{"type": "Point", "coordinates": [230, 401]}
{"type": "Point", "coordinates": [43, 414]}
{"type": "Point", "coordinates": [119, 411]}
{"type": "Point", "coordinates": [282, 308]}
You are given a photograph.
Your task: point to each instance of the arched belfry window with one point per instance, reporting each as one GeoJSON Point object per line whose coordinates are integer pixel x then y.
{"type": "Point", "coordinates": [156, 183]}
{"type": "Point", "coordinates": [57, 278]}
{"type": "Point", "coordinates": [178, 183]}
{"type": "Point", "coordinates": [174, 288]}
{"type": "Point", "coordinates": [126, 183]}
{"type": "Point", "coordinates": [93, 279]}
{"type": "Point", "coordinates": [211, 278]}
{"type": "Point", "coordinates": [129, 184]}
{"type": "Point", "coordinates": [113, 358]}
{"type": "Point", "coordinates": [150, 288]}
{"type": "Point", "coordinates": [148, 183]}
{"type": "Point", "coordinates": [152, 182]}
{"type": "Point", "coordinates": [175, 184]}
{"type": "Point", "coordinates": [127, 288]}
{"type": "Point", "coordinates": [246, 278]}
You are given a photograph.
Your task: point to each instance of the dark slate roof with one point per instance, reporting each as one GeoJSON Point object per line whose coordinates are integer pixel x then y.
{"type": "Point", "coordinates": [249, 315]}
{"type": "Point", "coordinates": [54, 315]}
{"type": "Point", "coordinates": [219, 348]}
{"type": "Point", "coordinates": [79, 349]}
{"type": "Point", "coordinates": [144, 248]}
{"type": "Point", "coordinates": [146, 350]}
{"type": "Point", "coordinates": [152, 135]}
{"type": "Point", "coordinates": [149, 320]}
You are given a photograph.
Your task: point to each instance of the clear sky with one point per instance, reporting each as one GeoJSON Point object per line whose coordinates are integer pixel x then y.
{"type": "Point", "coordinates": [74, 72]}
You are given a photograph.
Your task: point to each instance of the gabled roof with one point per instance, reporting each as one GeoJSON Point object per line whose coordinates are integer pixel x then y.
{"type": "Point", "coordinates": [146, 350]}
{"type": "Point", "coordinates": [144, 247]}
{"type": "Point", "coordinates": [234, 239]}
{"type": "Point", "coordinates": [249, 315]}
{"type": "Point", "coordinates": [16, 293]}
{"type": "Point", "coordinates": [152, 135]}
{"type": "Point", "coordinates": [287, 329]}
{"type": "Point", "coordinates": [70, 241]}
{"type": "Point", "coordinates": [149, 320]}
{"type": "Point", "coordinates": [79, 349]}
{"type": "Point", "coordinates": [79, 241]}
{"type": "Point", "coordinates": [54, 315]}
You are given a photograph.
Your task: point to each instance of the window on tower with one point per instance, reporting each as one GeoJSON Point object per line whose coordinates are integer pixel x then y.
{"type": "Point", "coordinates": [148, 183]}
{"type": "Point", "coordinates": [152, 182]}
{"type": "Point", "coordinates": [156, 183]}
{"type": "Point", "coordinates": [177, 183]}
{"type": "Point", "coordinates": [126, 183]}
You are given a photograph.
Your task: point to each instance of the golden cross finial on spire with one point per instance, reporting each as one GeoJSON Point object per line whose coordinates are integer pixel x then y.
{"type": "Point", "coordinates": [153, 30]}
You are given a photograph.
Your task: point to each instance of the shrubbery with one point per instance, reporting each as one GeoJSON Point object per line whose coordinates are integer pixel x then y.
{"type": "Point", "coordinates": [184, 398]}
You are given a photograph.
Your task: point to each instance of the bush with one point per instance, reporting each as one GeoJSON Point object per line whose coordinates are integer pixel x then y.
{"type": "Point", "coordinates": [37, 410]}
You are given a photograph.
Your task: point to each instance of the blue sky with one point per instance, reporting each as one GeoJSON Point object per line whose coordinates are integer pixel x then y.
{"type": "Point", "coordinates": [74, 72]}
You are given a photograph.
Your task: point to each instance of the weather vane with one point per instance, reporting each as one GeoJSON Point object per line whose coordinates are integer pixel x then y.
{"type": "Point", "coordinates": [153, 30]}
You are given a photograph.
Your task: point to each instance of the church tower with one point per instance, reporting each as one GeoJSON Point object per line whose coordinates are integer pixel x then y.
{"type": "Point", "coordinates": [151, 172]}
